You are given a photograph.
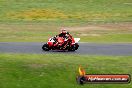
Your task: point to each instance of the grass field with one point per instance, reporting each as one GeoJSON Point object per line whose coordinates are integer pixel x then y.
{"type": "Point", "coordinates": [41, 33]}
{"type": "Point", "coordinates": [37, 20]}
{"type": "Point", "coordinates": [51, 70]}
{"type": "Point", "coordinates": [70, 11]}
{"type": "Point", "coordinates": [98, 21]}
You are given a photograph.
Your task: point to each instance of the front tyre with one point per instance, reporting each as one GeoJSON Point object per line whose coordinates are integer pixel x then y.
{"type": "Point", "coordinates": [45, 47]}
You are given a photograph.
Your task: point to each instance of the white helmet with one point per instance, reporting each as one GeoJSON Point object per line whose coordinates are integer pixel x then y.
{"type": "Point", "coordinates": [63, 30]}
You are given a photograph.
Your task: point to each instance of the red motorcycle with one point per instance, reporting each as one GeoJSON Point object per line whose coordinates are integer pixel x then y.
{"type": "Point", "coordinates": [61, 44]}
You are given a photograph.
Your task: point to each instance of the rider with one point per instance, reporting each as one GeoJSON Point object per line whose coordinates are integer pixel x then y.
{"type": "Point", "coordinates": [65, 35]}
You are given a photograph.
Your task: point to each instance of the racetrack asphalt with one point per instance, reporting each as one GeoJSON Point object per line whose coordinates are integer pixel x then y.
{"type": "Point", "coordinates": [120, 49]}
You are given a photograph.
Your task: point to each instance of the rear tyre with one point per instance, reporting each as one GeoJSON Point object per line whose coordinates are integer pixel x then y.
{"type": "Point", "coordinates": [76, 46]}
{"type": "Point", "coordinates": [45, 47]}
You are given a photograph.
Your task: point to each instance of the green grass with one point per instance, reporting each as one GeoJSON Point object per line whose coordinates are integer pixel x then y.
{"type": "Point", "coordinates": [58, 70]}
{"type": "Point", "coordinates": [41, 33]}
{"type": "Point", "coordinates": [43, 37]}
{"type": "Point", "coordinates": [37, 20]}
{"type": "Point", "coordinates": [108, 38]}
{"type": "Point", "coordinates": [66, 12]}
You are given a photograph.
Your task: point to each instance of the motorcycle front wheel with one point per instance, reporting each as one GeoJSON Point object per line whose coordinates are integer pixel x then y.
{"type": "Point", "coordinates": [45, 47]}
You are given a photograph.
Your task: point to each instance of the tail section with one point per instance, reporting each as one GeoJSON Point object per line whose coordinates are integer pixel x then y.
{"type": "Point", "coordinates": [77, 40]}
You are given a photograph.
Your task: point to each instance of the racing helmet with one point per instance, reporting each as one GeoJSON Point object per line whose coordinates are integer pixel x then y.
{"type": "Point", "coordinates": [63, 30]}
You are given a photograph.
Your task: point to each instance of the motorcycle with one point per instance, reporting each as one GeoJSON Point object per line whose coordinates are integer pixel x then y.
{"type": "Point", "coordinates": [61, 44]}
